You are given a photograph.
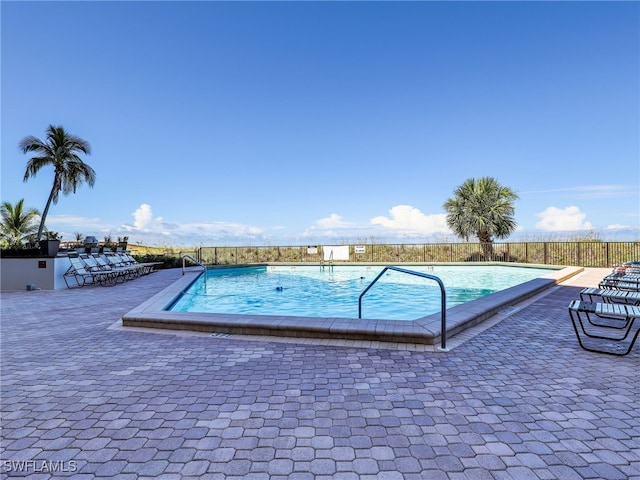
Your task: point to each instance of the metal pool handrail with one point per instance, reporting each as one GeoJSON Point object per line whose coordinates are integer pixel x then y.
{"type": "Point", "coordinates": [204, 268]}
{"type": "Point", "coordinates": [443, 298]}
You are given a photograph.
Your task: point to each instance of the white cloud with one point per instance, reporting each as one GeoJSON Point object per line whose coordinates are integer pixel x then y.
{"type": "Point", "coordinates": [154, 230]}
{"type": "Point", "coordinates": [143, 217]}
{"type": "Point", "coordinates": [143, 220]}
{"type": "Point", "coordinates": [403, 221]}
{"type": "Point", "coordinates": [332, 226]}
{"type": "Point", "coordinates": [220, 230]}
{"type": "Point", "coordinates": [408, 220]}
{"type": "Point", "coordinates": [618, 227]}
{"type": "Point", "coordinates": [555, 219]}
{"type": "Point", "coordinates": [332, 221]}
{"type": "Point", "coordinates": [65, 221]}
{"type": "Point", "coordinates": [68, 225]}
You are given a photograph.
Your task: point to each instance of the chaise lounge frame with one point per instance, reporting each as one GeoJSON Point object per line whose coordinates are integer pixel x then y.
{"type": "Point", "coordinates": [603, 319]}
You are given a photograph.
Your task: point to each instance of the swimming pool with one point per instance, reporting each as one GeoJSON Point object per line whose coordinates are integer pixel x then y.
{"type": "Point", "coordinates": [313, 291]}
{"type": "Point", "coordinates": [429, 330]}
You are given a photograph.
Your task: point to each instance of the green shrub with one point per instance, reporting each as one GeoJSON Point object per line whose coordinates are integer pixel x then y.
{"type": "Point", "coordinates": [168, 261]}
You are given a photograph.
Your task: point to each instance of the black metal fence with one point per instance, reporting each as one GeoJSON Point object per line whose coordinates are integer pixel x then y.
{"type": "Point", "coordinates": [585, 254]}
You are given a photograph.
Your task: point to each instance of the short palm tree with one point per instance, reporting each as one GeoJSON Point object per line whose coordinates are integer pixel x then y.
{"type": "Point", "coordinates": [18, 223]}
{"type": "Point", "coordinates": [483, 208]}
{"type": "Point", "coordinates": [60, 150]}
{"type": "Point", "coordinates": [78, 237]}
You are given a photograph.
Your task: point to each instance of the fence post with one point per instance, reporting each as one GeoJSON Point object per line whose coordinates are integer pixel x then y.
{"type": "Point", "coordinates": [546, 253]}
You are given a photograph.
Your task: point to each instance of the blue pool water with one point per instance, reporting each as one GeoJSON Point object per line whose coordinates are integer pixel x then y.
{"type": "Point", "coordinates": [310, 291]}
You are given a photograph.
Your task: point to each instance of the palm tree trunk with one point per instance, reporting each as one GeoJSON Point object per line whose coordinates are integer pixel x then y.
{"type": "Point", "coordinates": [487, 250]}
{"type": "Point", "coordinates": [46, 208]}
{"type": "Point", "coordinates": [486, 243]}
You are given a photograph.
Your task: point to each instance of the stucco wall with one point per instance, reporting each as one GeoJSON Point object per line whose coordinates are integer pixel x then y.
{"type": "Point", "coordinates": [17, 273]}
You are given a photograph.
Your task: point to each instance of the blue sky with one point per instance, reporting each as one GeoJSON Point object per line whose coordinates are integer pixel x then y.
{"type": "Point", "coordinates": [257, 123]}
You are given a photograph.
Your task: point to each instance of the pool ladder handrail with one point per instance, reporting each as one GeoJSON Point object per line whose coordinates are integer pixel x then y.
{"type": "Point", "coordinates": [330, 261]}
{"type": "Point", "coordinates": [443, 300]}
{"type": "Point", "coordinates": [189, 257]}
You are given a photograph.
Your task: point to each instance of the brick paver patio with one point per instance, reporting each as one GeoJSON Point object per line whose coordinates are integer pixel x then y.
{"type": "Point", "coordinates": [519, 400]}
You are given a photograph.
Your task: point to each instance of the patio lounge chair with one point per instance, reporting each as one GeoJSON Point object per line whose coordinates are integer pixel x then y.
{"type": "Point", "coordinates": [620, 282]}
{"type": "Point", "coordinates": [146, 267]}
{"type": "Point", "coordinates": [627, 267]}
{"type": "Point", "coordinates": [78, 275]}
{"type": "Point", "coordinates": [608, 295]}
{"type": "Point", "coordinates": [97, 263]}
{"type": "Point", "coordinates": [607, 325]}
{"type": "Point", "coordinates": [623, 275]}
{"type": "Point", "coordinates": [116, 262]}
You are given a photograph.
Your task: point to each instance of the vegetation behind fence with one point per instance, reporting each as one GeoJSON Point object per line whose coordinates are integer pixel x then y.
{"type": "Point", "coordinates": [586, 254]}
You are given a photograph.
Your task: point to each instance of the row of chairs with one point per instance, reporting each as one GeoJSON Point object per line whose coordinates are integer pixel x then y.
{"type": "Point", "coordinates": [104, 269]}
{"type": "Point", "coordinates": [603, 318]}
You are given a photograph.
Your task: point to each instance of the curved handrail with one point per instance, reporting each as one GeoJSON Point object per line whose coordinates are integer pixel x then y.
{"type": "Point", "coordinates": [443, 297]}
{"type": "Point", "coordinates": [204, 267]}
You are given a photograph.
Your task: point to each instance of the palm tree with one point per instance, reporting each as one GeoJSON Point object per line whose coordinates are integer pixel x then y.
{"type": "Point", "coordinates": [483, 208]}
{"type": "Point", "coordinates": [60, 150]}
{"type": "Point", "coordinates": [18, 223]}
{"type": "Point", "coordinates": [78, 237]}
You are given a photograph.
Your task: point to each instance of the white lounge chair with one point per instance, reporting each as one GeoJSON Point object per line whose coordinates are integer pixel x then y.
{"type": "Point", "coordinates": [621, 281]}
{"type": "Point", "coordinates": [146, 267]}
{"type": "Point", "coordinates": [607, 326]}
{"type": "Point", "coordinates": [607, 295]}
{"type": "Point", "coordinates": [78, 275]}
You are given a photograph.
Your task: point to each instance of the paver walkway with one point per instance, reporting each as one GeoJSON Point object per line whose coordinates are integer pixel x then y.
{"type": "Point", "coordinates": [520, 400]}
